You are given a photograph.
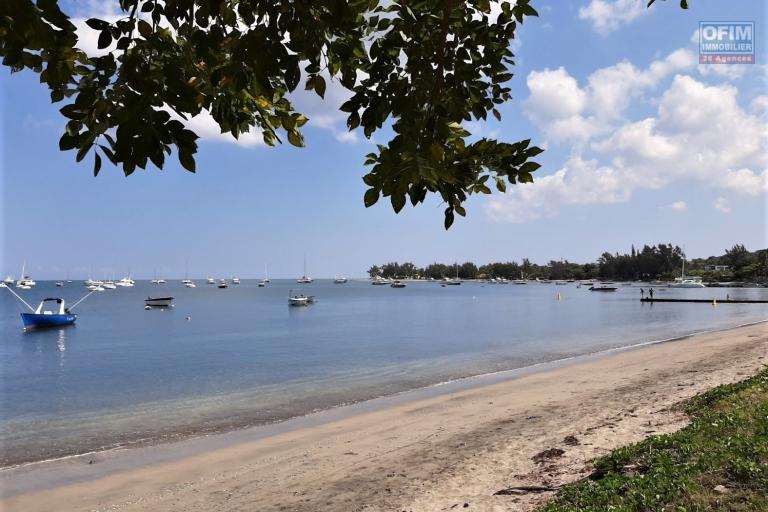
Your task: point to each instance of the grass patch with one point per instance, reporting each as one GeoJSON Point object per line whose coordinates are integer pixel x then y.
{"type": "Point", "coordinates": [718, 462]}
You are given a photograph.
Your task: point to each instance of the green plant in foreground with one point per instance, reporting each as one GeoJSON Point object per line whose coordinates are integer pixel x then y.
{"type": "Point", "coordinates": [718, 462]}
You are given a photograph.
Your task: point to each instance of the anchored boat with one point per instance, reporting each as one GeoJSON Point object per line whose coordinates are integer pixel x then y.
{"type": "Point", "coordinates": [159, 302]}
{"type": "Point", "coordinates": [300, 299]}
{"type": "Point", "coordinates": [48, 318]}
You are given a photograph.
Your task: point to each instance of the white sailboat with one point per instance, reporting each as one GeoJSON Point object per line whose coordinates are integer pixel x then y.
{"type": "Point", "coordinates": [686, 281]}
{"type": "Point", "coordinates": [305, 279]}
{"type": "Point", "coordinates": [25, 282]}
{"type": "Point", "coordinates": [187, 281]}
{"type": "Point", "coordinates": [264, 282]}
{"type": "Point", "coordinates": [452, 282]}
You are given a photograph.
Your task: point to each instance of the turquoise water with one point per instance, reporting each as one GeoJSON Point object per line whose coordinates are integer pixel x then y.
{"type": "Point", "coordinates": [125, 375]}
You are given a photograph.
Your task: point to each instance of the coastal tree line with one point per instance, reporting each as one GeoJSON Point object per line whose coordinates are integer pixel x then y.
{"type": "Point", "coordinates": [661, 261]}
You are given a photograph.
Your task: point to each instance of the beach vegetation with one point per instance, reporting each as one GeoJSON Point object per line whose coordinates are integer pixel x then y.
{"type": "Point", "coordinates": [718, 462]}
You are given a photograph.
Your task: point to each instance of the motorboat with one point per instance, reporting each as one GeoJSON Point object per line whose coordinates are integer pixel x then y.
{"type": "Point", "coordinates": [109, 285]}
{"type": "Point", "coordinates": [262, 283]}
{"type": "Point", "coordinates": [447, 281]}
{"type": "Point", "coordinates": [97, 287]}
{"type": "Point", "coordinates": [210, 280]}
{"type": "Point", "coordinates": [158, 302]}
{"type": "Point", "coordinates": [340, 280]}
{"type": "Point", "coordinates": [8, 280]}
{"type": "Point", "coordinates": [235, 280]}
{"type": "Point", "coordinates": [603, 288]}
{"type": "Point", "coordinates": [561, 283]}
{"type": "Point", "coordinates": [42, 318]}
{"type": "Point", "coordinates": [397, 284]}
{"type": "Point", "coordinates": [300, 299]}
{"type": "Point", "coordinates": [223, 284]}
{"type": "Point", "coordinates": [190, 283]}
{"type": "Point", "coordinates": [59, 284]}
{"type": "Point", "coordinates": [380, 281]}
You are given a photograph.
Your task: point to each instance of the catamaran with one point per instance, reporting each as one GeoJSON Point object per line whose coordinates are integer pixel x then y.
{"type": "Point", "coordinates": [686, 281]}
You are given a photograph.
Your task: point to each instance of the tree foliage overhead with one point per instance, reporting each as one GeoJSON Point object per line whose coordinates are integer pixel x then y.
{"type": "Point", "coordinates": [422, 67]}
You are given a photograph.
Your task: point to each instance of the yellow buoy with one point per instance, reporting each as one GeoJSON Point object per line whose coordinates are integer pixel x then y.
{"type": "Point", "coordinates": [714, 302]}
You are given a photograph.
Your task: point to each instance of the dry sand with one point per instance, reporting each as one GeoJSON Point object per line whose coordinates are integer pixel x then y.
{"type": "Point", "coordinates": [447, 452]}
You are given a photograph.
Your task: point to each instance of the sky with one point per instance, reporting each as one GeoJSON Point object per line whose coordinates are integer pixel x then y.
{"type": "Point", "coordinates": [643, 145]}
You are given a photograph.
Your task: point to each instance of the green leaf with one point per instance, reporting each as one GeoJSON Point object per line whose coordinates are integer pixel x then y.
{"type": "Point", "coordinates": [296, 139]}
{"type": "Point", "coordinates": [82, 152]}
{"type": "Point", "coordinates": [448, 218]}
{"type": "Point", "coordinates": [320, 86]}
{"type": "Point", "coordinates": [398, 201]}
{"type": "Point", "coordinates": [187, 161]}
{"type": "Point", "coordinates": [96, 163]}
{"type": "Point", "coordinates": [371, 197]}
{"type": "Point", "coordinates": [97, 24]}
{"type": "Point", "coordinates": [67, 142]}
{"type": "Point", "coordinates": [105, 39]}
{"type": "Point", "coordinates": [145, 29]}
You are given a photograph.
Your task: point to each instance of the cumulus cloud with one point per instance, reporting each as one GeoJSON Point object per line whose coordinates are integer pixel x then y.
{"type": "Point", "coordinates": [722, 204]}
{"type": "Point", "coordinates": [578, 182]}
{"type": "Point", "coordinates": [607, 16]}
{"type": "Point", "coordinates": [568, 112]}
{"type": "Point", "coordinates": [698, 134]}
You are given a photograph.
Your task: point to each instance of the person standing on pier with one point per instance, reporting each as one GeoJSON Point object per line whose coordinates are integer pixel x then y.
{"type": "Point", "coordinates": [650, 292]}
{"type": "Point", "coordinates": [642, 293]}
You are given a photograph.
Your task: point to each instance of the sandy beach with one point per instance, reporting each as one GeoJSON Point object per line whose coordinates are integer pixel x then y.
{"type": "Point", "coordinates": [452, 451]}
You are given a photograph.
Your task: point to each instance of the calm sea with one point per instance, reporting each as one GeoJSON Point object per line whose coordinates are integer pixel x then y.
{"type": "Point", "coordinates": [125, 375]}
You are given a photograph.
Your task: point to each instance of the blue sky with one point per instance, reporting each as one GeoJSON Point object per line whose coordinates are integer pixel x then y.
{"type": "Point", "coordinates": [643, 145]}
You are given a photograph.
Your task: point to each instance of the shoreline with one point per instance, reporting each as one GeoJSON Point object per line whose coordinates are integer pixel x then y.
{"type": "Point", "coordinates": [166, 440]}
{"type": "Point", "coordinates": [402, 427]}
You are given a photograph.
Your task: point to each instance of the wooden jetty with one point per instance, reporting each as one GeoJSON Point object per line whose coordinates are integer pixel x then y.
{"type": "Point", "coordinates": [707, 301]}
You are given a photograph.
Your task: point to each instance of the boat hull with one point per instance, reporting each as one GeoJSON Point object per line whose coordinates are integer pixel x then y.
{"type": "Point", "coordinates": [40, 321]}
{"type": "Point", "coordinates": [159, 302]}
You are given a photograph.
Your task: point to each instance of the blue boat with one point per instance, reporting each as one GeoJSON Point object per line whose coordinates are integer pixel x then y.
{"type": "Point", "coordinates": [42, 318]}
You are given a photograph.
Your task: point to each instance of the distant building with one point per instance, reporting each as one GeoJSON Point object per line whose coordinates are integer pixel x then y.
{"type": "Point", "coordinates": [718, 268]}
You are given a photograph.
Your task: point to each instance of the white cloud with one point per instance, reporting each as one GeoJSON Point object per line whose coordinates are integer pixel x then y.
{"type": "Point", "coordinates": [699, 134]}
{"type": "Point", "coordinates": [607, 16]}
{"type": "Point", "coordinates": [207, 128]}
{"type": "Point", "coordinates": [578, 182]}
{"type": "Point", "coordinates": [722, 204]}
{"type": "Point", "coordinates": [678, 206]}
{"type": "Point", "coordinates": [567, 112]}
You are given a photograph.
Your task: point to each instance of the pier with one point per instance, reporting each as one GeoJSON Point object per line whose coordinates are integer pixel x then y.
{"type": "Point", "coordinates": [707, 301]}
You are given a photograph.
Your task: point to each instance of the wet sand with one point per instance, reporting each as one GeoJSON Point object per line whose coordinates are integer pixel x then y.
{"type": "Point", "coordinates": [436, 453]}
